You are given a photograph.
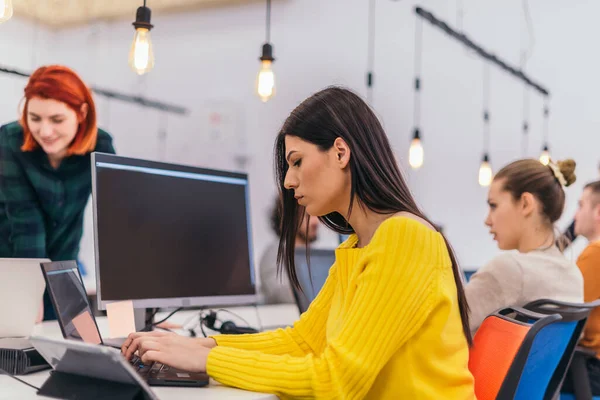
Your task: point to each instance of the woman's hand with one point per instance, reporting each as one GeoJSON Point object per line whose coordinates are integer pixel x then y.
{"type": "Point", "coordinates": [188, 354]}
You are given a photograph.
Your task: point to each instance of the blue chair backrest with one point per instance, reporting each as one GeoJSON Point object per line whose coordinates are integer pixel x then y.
{"type": "Point", "coordinates": [546, 353]}
{"type": "Point", "coordinates": [468, 274]}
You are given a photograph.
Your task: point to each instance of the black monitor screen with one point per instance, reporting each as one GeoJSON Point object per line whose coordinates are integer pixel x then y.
{"type": "Point", "coordinates": [166, 231]}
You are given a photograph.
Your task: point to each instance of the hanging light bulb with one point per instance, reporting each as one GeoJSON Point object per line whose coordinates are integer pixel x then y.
{"type": "Point", "coordinates": [141, 55]}
{"type": "Point", "coordinates": [265, 82]}
{"type": "Point", "coordinates": [545, 156]}
{"type": "Point", "coordinates": [415, 153]}
{"type": "Point", "coordinates": [6, 10]}
{"type": "Point", "coordinates": [485, 171]}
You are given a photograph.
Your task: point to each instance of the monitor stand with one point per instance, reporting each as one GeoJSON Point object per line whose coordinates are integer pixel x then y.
{"type": "Point", "coordinates": [142, 318]}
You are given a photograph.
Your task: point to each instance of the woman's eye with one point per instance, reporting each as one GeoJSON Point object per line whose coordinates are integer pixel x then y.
{"type": "Point", "coordinates": [297, 163]}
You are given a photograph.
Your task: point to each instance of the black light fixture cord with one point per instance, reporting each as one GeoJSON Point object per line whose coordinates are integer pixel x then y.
{"type": "Point", "coordinates": [486, 107]}
{"type": "Point", "coordinates": [144, 3]}
{"type": "Point", "coordinates": [525, 120]}
{"type": "Point", "coordinates": [268, 25]}
{"type": "Point", "coordinates": [370, 51]}
{"type": "Point", "coordinates": [546, 117]}
{"type": "Point", "coordinates": [417, 83]}
{"type": "Point", "coordinates": [525, 56]}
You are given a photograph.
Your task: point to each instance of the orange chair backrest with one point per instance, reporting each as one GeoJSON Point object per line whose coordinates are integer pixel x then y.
{"type": "Point", "coordinates": [495, 346]}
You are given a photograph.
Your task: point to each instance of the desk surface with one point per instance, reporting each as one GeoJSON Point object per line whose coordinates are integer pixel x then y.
{"type": "Point", "coordinates": [265, 316]}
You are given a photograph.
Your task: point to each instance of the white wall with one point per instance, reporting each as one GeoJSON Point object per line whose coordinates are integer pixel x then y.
{"type": "Point", "coordinates": [23, 45]}
{"type": "Point", "coordinates": [207, 61]}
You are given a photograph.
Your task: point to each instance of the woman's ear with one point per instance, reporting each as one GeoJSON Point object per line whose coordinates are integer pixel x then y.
{"type": "Point", "coordinates": [342, 152]}
{"type": "Point", "coordinates": [83, 112]}
{"type": "Point", "coordinates": [527, 204]}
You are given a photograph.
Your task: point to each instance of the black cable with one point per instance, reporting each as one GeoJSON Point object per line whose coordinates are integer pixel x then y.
{"type": "Point", "coordinates": [486, 107]}
{"type": "Point", "coordinates": [235, 315]}
{"type": "Point", "coordinates": [144, 3]}
{"type": "Point", "coordinates": [202, 326]}
{"type": "Point", "coordinates": [545, 126]}
{"type": "Point", "coordinates": [525, 120]}
{"type": "Point", "coordinates": [370, 51]}
{"type": "Point", "coordinates": [417, 66]}
{"type": "Point", "coordinates": [18, 379]}
{"type": "Point", "coordinates": [167, 317]}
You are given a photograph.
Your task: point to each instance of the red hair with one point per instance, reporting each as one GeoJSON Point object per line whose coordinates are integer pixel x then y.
{"type": "Point", "coordinates": [62, 84]}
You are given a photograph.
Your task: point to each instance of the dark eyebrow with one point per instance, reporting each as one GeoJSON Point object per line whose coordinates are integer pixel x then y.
{"type": "Point", "coordinates": [289, 154]}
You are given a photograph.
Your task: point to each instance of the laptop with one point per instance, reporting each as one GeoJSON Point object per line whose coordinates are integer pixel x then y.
{"type": "Point", "coordinates": [21, 295]}
{"type": "Point", "coordinates": [321, 261]}
{"type": "Point", "coordinates": [77, 322]}
{"type": "Point", "coordinates": [100, 372]}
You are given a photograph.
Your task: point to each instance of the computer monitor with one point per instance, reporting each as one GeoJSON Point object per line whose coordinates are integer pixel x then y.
{"type": "Point", "coordinates": [170, 235]}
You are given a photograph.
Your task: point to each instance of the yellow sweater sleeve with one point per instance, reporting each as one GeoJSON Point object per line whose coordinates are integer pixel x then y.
{"type": "Point", "coordinates": [395, 293]}
{"type": "Point", "coordinates": [305, 337]}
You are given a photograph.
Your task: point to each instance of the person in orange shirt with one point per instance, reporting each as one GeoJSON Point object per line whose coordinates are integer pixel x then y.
{"type": "Point", "coordinates": [587, 224]}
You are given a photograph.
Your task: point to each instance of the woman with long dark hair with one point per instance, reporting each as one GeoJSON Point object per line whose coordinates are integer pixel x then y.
{"type": "Point", "coordinates": [391, 320]}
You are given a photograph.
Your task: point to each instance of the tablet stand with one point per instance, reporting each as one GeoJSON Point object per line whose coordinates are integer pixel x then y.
{"type": "Point", "coordinates": [62, 385]}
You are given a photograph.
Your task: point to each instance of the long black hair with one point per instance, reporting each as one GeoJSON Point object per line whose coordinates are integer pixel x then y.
{"type": "Point", "coordinates": [376, 179]}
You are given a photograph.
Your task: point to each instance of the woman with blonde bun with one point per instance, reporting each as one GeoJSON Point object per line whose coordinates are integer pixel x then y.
{"type": "Point", "coordinates": [525, 199]}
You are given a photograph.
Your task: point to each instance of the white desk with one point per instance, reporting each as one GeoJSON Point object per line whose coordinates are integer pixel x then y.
{"type": "Point", "coordinates": [269, 316]}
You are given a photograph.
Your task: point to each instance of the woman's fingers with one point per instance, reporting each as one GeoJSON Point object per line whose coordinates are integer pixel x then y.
{"type": "Point", "coordinates": [155, 356]}
{"type": "Point", "coordinates": [147, 344]}
{"type": "Point", "coordinates": [130, 345]}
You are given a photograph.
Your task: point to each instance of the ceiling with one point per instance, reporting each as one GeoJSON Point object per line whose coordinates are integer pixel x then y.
{"type": "Point", "coordinates": [68, 13]}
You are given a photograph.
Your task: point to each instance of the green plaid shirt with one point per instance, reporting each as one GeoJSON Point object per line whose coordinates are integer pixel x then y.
{"type": "Point", "coordinates": [41, 208]}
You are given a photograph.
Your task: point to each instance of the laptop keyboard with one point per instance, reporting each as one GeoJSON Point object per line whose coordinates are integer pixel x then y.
{"type": "Point", "coordinates": [147, 370]}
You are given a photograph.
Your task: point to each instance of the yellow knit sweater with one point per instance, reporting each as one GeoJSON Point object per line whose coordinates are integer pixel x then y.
{"type": "Point", "coordinates": [386, 325]}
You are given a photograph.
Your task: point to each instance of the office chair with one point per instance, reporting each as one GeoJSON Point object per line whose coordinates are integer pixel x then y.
{"type": "Point", "coordinates": [573, 366]}
{"type": "Point", "coordinates": [501, 353]}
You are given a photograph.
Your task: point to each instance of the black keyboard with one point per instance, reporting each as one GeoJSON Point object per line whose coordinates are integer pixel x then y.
{"type": "Point", "coordinates": [147, 370]}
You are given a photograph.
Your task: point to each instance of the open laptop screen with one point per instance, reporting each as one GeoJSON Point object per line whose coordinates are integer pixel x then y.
{"type": "Point", "coordinates": [70, 301]}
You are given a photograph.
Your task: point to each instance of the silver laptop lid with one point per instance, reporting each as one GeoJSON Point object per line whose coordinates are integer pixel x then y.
{"type": "Point", "coordinates": [21, 295]}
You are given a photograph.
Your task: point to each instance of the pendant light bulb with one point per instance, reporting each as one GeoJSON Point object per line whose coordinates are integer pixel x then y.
{"type": "Point", "coordinates": [415, 153]}
{"type": "Point", "coordinates": [265, 82]}
{"type": "Point", "coordinates": [141, 54]}
{"type": "Point", "coordinates": [6, 10]}
{"type": "Point", "coordinates": [485, 172]}
{"type": "Point", "coordinates": [545, 156]}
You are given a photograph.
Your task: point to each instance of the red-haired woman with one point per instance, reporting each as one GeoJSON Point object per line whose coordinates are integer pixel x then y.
{"type": "Point", "coordinates": [45, 179]}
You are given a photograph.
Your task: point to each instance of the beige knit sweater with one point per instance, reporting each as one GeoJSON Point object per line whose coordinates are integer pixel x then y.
{"type": "Point", "coordinates": [515, 279]}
